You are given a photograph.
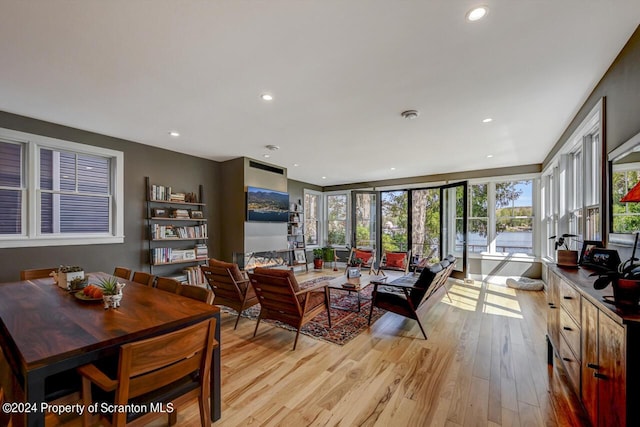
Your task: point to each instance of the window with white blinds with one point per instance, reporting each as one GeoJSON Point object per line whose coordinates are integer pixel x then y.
{"type": "Point", "coordinates": [55, 192]}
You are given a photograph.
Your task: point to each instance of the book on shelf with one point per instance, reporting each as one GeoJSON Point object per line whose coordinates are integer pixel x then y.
{"type": "Point", "coordinates": [194, 275]}
{"type": "Point", "coordinates": [159, 193]}
{"type": "Point", "coordinates": [202, 252]}
{"type": "Point", "coordinates": [180, 214]}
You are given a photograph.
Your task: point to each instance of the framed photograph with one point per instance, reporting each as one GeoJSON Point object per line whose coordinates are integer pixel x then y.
{"type": "Point", "coordinates": [604, 259]}
{"type": "Point", "coordinates": [300, 244]}
{"type": "Point", "coordinates": [197, 215]}
{"type": "Point", "coordinates": [190, 254]}
{"type": "Point", "coordinates": [586, 256]}
{"type": "Point", "coordinates": [300, 256]}
{"type": "Point", "coordinates": [353, 272]}
{"type": "Point", "coordinates": [159, 213]}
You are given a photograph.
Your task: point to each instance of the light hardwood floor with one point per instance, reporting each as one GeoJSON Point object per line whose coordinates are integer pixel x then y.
{"type": "Point", "coordinates": [484, 364]}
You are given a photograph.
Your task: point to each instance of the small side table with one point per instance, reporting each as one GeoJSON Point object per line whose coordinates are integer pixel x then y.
{"type": "Point", "coordinates": [350, 285]}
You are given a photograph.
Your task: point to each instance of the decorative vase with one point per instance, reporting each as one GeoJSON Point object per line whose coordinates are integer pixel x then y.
{"type": "Point", "coordinates": [567, 258]}
{"type": "Point", "coordinates": [626, 293]}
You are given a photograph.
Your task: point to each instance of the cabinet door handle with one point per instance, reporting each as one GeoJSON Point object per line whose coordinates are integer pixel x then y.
{"type": "Point", "coordinates": [593, 366]}
{"type": "Point", "coordinates": [600, 376]}
{"type": "Point", "coordinates": [553, 306]}
{"type": "Point", "coordinates": [566, 359]}
{"type": "Point", "coordinates": [566, 328]}
{"type": "Point", "coordinates": [567, 297]}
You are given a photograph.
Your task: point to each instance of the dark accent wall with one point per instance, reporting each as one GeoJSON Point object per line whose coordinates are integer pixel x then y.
{"type": "Point", "coordinates": [180, 171]}
{"type": "Point", "coordinates": [620, 86]}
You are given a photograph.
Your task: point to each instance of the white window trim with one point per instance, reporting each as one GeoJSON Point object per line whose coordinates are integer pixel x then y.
{"type": "Point", "coordinates": [491, 224]}
{"type": "Point", "coordinates": [320, 219]}
{"type": "Point", "coordinates": [31, 236]}
{"type": "Point", "coordinates": [325, 217]}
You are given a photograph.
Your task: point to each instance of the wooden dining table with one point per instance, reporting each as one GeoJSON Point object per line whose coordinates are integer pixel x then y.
{"type": "Point", "coordinates": [45, 330]}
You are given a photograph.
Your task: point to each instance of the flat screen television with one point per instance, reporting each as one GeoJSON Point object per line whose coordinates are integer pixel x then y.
{"type": "Point", "coordinates": [267, 205]}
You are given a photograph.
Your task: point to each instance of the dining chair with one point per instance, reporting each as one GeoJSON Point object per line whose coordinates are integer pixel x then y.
{"type": "Point", "coordinates": [143, 278]}
{"type": "Point", "coordinates": [231, 287]}
{"type": "Point", "coordinates": [171, 368]}
{"type": "Point", "coordinates": [282, 299]}
{"type": "Point", "coordinates": [196, 292]}
{"type": "Point", "coordinates": [36, 273]}
{"type": "Point", "coordinates": [123, 273]}
{"type": "Point", "coordinates": [168, 284]}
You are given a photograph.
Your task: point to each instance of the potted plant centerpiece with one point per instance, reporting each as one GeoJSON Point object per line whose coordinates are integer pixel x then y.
{"type": "Point", "coordinates": [68, 273]}
{"type": "Point", "coordinates": [565, 257]}
{"type": "Point", "coordinates": [318, 260]}
{"type": "Point", "coordinates": [111, 291]}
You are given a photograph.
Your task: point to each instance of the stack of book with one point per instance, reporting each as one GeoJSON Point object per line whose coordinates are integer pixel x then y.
{"type": "Point", "coordinates": [201, 251]}
{"type": "Point", "coordinates": [181, 213]}
{"type": "Point", "coordinates": [194, 275]}
{"type": "Point", "coordinates": [176, 197]}
{"type": "Point", "coordinates": [159, 192]}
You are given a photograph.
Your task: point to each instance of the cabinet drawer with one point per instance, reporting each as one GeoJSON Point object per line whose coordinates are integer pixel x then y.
{"type": "Point", "coordinates": [570, 301]}
{"type": "Point", "coordinates": [571, 332]}
{"type": "Point", "coordinates": [570, 363]}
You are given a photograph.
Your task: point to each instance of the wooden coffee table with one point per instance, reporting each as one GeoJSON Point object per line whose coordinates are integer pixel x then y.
{"type": "Point", "coordinates": [350, 285]}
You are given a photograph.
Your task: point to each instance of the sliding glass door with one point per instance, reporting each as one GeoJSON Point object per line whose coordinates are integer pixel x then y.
{"type": "Point", "coordinates": [425, 223]}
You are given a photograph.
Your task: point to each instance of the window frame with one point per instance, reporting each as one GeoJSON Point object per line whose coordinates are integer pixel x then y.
{"type": "Point", "coordinates": [319, 218]}
{"type": "Point", "coordinates": [31, 236]}
{"type": "Point", "coordinates": [325, 217]}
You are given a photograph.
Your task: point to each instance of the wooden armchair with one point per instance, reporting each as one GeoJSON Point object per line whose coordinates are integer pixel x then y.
{"type": "Point", "coordinates": [282, 299]}
{"type": "Point", "coordinates": [368, 257]}
{"type": "Point", "coordinates": [174, 367]}
{"type": "Point", "coordinates": [230, 286]}
{"type": "Point", "coordinates": [393, 260]}
{"type": "Point", "coordinates": [405, 295]}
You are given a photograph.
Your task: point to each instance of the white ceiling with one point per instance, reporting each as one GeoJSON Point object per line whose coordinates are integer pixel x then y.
{"type": "Point", "coordinates": [341, 72]}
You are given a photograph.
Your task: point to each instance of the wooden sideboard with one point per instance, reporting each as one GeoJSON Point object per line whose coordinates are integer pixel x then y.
{"type": "Point", "coordinates": [596, 344]}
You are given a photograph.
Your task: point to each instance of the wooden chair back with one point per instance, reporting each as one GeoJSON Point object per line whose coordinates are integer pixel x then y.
{"type": "Point", "coordinates": [143, 278]}
{"type": "Point", "coordinates": [151, 364]}
{"type": "Point", "coordinates": [123, 273]}
{"type": "Point", "coordinates": [230, 286]}
{"type": "Point", "coordinates": [168, 284]}
{"type": "Point", "coordinates": [277, 294]}
{"type": "Point", "coordinates": [196, 292]}
{"type": "Point", "coordinates": [36, 273]}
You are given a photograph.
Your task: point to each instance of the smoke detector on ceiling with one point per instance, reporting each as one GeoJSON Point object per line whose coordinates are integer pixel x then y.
{"type": "Point", "coordinates": [272, 147]}
{"type": "Point", "coordinates": [410, 114]}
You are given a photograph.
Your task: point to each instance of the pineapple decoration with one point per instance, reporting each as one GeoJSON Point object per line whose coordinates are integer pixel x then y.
{"type": "Point", "coordinates": [111, 292]}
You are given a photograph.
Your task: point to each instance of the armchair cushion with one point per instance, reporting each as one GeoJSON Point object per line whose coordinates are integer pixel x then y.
{"type": "Point", "coordinates": [365, 256]}
{"type": "Point", "coordinates": [396, 259]}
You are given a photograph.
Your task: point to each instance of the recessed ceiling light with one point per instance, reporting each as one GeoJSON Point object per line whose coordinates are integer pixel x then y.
{"type": "Point", "coordinates": [295, 165]}
{"type": "Point", "coordinates": [266, 97]}
{"type": "Point", "coordinates": [392, 169]}
{"type": "Point", "coordinates": [487, 120]}
{"type": "Point", "coordinates": [324, 177]}
{"type": "Point", "coordinates": [266, 156]}
{"type": "Point", "coordinates": [174, 133]}
{"type": "Point", "coordinates": [489, 156]}
{"type": "Point", "coordinates": [477, 13]}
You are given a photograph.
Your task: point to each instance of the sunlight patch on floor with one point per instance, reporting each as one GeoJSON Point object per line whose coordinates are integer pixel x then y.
{"type": "Point", "coordinates": [485, 298]}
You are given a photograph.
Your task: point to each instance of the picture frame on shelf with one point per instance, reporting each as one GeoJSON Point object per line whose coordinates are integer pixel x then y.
{"type": "Point", "coordinates": [300, 257]}
{"type": "Point", "coordinates": [197, 214]}
{"type": "Point", "coordinates": [160, 213]}
{"type": "Point", "coordinates": [300, 244]}
{"type": "Point", "coordinates": [586, 255]}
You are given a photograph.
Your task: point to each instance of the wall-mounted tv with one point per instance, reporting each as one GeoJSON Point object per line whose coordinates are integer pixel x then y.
{"type": "Point", "coordinates": [267, 205]}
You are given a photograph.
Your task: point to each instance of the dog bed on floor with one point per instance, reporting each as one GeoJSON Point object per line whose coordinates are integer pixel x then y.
{"type": "Point", "coordinates": [525, 283]}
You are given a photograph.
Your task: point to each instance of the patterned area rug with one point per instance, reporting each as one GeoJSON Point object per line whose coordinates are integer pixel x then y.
{"type": "Point", "coordinates": [346, 325]}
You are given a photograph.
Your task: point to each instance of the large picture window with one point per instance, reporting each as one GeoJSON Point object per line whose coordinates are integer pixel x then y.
{"type": "Point", "coordinates": [57, 192]}
{"type": "Point", "coordinates": [514, 217]}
